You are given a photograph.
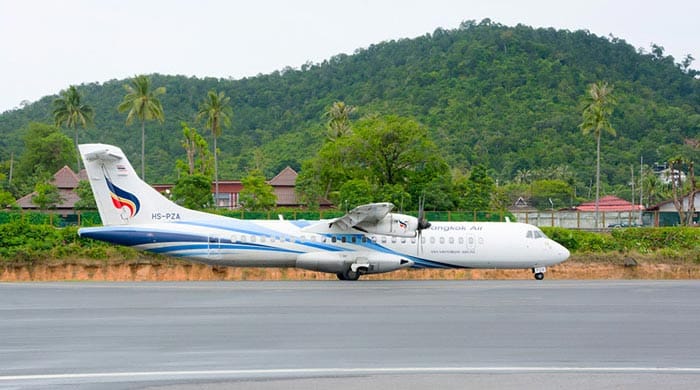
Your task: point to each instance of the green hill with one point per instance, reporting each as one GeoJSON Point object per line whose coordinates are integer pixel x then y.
{"type": "Point", "coordinates": [507, 97]}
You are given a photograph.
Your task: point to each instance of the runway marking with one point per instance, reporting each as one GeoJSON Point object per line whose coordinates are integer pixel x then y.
{"type": "Point", "coordinates": [351, 371]}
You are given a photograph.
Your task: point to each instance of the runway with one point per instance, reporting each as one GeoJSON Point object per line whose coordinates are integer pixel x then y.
{"type": "Point", "coordinates": [366, 334]}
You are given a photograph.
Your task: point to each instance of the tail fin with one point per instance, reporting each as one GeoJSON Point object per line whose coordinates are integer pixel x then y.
{"type": "Point", "coordinates": [122, 197]}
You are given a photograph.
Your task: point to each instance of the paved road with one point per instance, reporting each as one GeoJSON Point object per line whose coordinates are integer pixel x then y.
{"type": "Point", "coordinates": [366, 334]}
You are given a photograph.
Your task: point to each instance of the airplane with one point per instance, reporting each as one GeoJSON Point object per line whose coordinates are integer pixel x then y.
{"type": "Point", "coordinates": [369, 239]}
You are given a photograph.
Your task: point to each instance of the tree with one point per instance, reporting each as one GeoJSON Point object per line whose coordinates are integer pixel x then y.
{"type": "Point", "coordinates": [193, 186]}
{"type": "Point", "coordinates": [143, 104]}
{"type": "Point", "coordinates": [199, 159]}
{"type": "Point", "coordinates": [257, 194]}
{"type": "Point", "coordinates": [6, 199]}
{"type": "Point", "coordinates": [47, 195]}
{"type": "Point", "coordinates": [382, 150]}
{"type": "Point", "coordinates": [559, 192]}
{"type": "Point", "coordinates": [218, 113]}
{"type": "Point", "coordinates": [193, 191]}
{"type": "Point", "coordinates": [69, 111]}
{"type": "Point", "coordinates": [339, 120]}
{"type": "Point", "coordinates": [46, 150]}
{"type": "Point", "coordinates": [599, 105]}
{"type": "Point", "coordinates": [391, 147]}
{"type": "Point", "coordinates": [354, 193]}
{"type": "Point", "coordinates": [474, 193]}
{"type": "Point", "coordinates": [685, 215]}
{"type": "Point", "coordinates": [87, 198]}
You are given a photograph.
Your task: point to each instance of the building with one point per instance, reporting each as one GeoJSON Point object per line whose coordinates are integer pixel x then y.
{"type": "Point", "coordinates": [665, 213]}
{"type": "Point", "coordinates": [609, 203]}
{"type": "Point", "coordinates": [66, 181]}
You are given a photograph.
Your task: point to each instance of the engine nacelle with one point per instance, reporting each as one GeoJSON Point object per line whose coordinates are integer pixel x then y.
{"type": "Point", "coordinates": [365, 262]}
{"type": "Point", "coordinates": [399, 225]}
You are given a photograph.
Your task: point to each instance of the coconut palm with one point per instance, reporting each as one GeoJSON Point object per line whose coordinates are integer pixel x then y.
{"type": "Point", "coordinates": [69, 111]}
{"type": "Point", "coordinates": [217, 111]}
{"type": "Point", "coordinates": [596, 120]}
{"type": "Point", "coordinates": [142, 104]}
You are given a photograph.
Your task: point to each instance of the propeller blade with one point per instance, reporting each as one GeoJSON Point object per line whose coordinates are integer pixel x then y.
{"type": "Point", "coordinates": [422, 223]}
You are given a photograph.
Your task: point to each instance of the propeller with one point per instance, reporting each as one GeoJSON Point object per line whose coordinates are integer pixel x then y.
{"type": "Point", "coordinates": [422, 223]}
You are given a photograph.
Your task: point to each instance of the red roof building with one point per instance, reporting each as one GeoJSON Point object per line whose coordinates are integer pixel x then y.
{"type": "Point", "coordinates": [609, 203]}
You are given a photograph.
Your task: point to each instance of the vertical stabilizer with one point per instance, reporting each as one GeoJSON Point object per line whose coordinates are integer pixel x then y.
{"type": "Point", "coordinates": [122, 197]}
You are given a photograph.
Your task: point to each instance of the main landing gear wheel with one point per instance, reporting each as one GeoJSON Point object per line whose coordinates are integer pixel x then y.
{"type": "Point", "coordinates": [348, 275]}
{"type": "Point", "coordinates": [539, 276]}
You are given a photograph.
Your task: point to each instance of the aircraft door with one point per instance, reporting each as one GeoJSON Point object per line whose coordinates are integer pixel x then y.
{"type": "Point", "coordinates": [470, 243]}
{"type": "Point", "coordinates": [214, 247]}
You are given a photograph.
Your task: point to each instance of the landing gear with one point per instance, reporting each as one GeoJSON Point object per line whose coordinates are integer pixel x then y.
{"type": "Point", "coordinates": [348, 274]}
{"type": "Point", "coordinates": [539, 272]}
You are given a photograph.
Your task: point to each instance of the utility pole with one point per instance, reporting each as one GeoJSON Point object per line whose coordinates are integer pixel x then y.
{"type": "Point", "coordinates": [12, 163]}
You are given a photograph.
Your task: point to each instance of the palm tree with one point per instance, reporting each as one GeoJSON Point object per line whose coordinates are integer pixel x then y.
{"type": "Point", "coordinates": [215, 108]}
{"type": "Point", "coordinates": [142, 103]}
{"type": "Point", "coordinates": [69, 111]}
{"type": "Point", "coordinates": [339, 120]}
{"type": "Point", "coordinates": [596, 120]}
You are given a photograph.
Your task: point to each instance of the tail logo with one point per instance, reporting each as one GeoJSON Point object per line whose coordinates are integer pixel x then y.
{"type": "Point", "coordinates": [123, 199]}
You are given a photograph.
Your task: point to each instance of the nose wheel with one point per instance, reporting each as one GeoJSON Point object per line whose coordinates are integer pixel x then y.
{"type": "Point", "coordinates": [539, 272]}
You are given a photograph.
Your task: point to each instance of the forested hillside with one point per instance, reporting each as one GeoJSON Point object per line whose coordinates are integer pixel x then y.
{"type": "Point", "coordinates": [505, 97]}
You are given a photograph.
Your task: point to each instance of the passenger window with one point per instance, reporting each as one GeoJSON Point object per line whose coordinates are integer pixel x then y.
{"type": "Point", "coordinates": [333, 239]}
{"type": "Point", "coordinates": [442, 240]}
{"type": "Point", "coordinates": [383, 240]}
{"type": "Point", "coordinates": [432, 240]}
{"type": "Point", "coordinates": [393, 240]}
{"type": "Point", "coordinates": [403, 240]}
{"type": "Point", "coordinates": [461, 240]}
{"type": "Point", "coordinates": [451, 240]}
{"type": "Point", "coordinates": [343, 239]}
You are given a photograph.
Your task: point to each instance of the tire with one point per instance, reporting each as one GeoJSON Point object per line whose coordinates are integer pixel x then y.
{"type": "Point", "coordinates": [539, 276]}
{"type": "Point", "coordinates": [350, 275]}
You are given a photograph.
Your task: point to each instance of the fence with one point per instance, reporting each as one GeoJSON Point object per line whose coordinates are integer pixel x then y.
{"type": "Point", "coordinates": [586, 220]}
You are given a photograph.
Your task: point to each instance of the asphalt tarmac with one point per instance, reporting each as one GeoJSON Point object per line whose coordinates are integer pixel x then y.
{"type": "Point", "coordinates": [351, 335]}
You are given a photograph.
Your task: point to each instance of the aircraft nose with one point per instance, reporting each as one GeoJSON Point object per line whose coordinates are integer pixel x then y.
{"type": "Point", "coordinates": [561, 252]}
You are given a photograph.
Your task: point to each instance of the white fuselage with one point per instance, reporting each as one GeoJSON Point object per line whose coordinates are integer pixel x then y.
{"type": "Point", "coordinates": [274, 243]}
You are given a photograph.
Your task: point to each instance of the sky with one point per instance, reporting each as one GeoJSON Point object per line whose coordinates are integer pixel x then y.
{"type": "Point", "coordinates": [46, 46]}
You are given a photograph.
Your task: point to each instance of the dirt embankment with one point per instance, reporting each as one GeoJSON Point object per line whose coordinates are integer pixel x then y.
{"type": "Point", "coordinates": [182, 271]}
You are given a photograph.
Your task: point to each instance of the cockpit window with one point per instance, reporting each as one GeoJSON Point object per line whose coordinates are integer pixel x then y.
{"type": "Point", "coordinates": [535, 234]}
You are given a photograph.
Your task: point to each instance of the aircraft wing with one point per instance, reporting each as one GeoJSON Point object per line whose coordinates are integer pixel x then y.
{"type": "Point", "coordinates": [366, 214]}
